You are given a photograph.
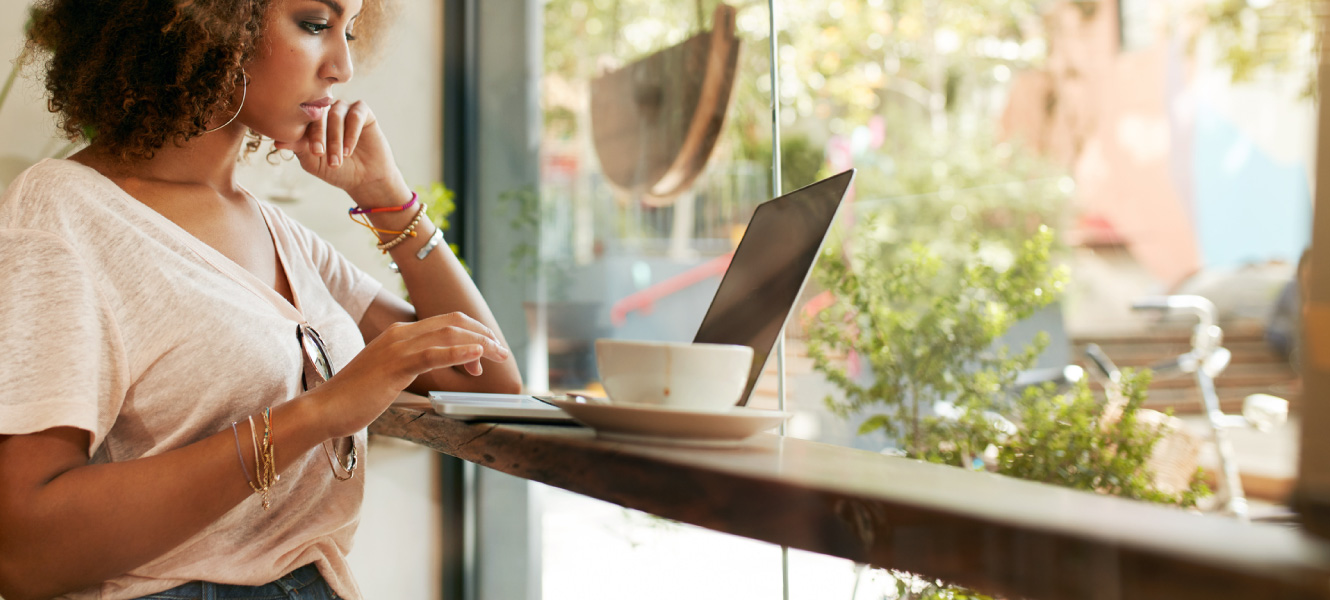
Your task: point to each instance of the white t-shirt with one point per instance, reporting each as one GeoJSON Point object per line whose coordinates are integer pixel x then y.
{"type": "Point", "coordinates": [115, 320]}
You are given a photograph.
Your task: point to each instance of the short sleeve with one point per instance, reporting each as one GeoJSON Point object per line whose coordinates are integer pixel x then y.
{"type": "Point", "coordinates": [64, 362]}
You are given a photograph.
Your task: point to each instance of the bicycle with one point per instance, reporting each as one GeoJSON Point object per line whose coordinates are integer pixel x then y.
{"type": "Point", "coordinates": [1206, 360]}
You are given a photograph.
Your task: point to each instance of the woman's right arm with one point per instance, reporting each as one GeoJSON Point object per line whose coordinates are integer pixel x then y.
{"type": "Point", "coordinates": [66, 525]}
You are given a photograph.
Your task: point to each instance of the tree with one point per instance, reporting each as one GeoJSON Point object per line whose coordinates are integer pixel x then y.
{"type": "Point", "coordinates": [1075, 440]}
{"type": "Point", "coordinates": [1279, 35]}
{"type": "Point", "coordinates": [927, 65]}
{"type": "Point", "coordinates": [927, 328]}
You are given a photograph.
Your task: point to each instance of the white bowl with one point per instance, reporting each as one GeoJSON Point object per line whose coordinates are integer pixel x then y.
{"type": "Point", "coordinates": [684, 376]}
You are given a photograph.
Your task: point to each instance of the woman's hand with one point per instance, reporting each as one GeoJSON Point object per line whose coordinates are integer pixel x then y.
{"type": "Point", "coordinates": [362, 390]}
{"type": "Point", "coordinates": [347, 149]}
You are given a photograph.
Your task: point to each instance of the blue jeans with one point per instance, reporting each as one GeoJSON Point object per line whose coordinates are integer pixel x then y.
{"type": "Point", "coordinates": [304, 583]}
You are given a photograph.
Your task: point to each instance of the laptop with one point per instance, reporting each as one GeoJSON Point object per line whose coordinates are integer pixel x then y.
{"type": "Point", "coordinates": [751, 306]}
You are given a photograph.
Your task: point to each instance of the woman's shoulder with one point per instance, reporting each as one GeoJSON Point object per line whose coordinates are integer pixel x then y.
{"type": "Point", "coordinates": [52, 191]}
{"type": "Point", "coordinates": [57, 173]}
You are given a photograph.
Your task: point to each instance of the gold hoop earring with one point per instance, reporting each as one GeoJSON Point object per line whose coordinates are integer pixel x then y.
{"type": "Point", "coordinates": [244, 91]}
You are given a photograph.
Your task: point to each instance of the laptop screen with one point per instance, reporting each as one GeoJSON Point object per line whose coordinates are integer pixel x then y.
{"type": "Point", "coordinates": [769, 268]}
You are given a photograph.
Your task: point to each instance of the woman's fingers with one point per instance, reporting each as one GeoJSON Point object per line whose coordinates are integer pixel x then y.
{"type": "Point", "coordinates": [330, 140]}
{"type": "Point", "coordinates": [448, 356]}
{"type": "Point", "coordinates": [344, 147]}
{"type": "Point", "coordinates": [316, 135]}
{"type": "Point", "coordinates": [431, 344]}
{"type": "Point", "coordinates": [398, 356]}
{"type": "Point", "coordinates": [335, 125]}
{"type": "Point", "coordinates": [454, 327]}
{"type": "Point", "coordinates": [341, 130]}
{"type": "Point", "coordinates": [357, 119]}
{"type": "Point", "coordinates": [452, 337]}
{"type": "Point", "coordinates": [467, 356]}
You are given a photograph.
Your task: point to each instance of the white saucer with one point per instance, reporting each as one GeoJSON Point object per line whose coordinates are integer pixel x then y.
{"type": "Point", "coordinates": [672, 426]}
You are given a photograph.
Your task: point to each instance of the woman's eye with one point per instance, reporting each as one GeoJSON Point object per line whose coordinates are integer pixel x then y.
{"type": "Point", "coordinates": [317, 28]}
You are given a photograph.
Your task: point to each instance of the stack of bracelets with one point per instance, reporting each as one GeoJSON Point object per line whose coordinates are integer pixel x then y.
{"type": "Point", "coordinates": [265, 461]}
{"type": "Point", "coordinates": [360, 216]}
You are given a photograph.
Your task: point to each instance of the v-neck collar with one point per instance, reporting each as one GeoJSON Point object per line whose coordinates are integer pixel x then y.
{"type": "Point", "coordinates": [210, 255]}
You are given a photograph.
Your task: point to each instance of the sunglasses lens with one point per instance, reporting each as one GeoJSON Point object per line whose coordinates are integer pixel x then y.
{"type": "Point", "coordinates": [316, 357]}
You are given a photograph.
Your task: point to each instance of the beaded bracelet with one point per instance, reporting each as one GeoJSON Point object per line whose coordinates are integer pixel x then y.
{"type": "Point", "coordinates": [402, 235]}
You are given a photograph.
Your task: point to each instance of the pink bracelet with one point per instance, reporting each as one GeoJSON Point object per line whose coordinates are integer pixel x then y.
{"type": "Point", "coordinates": [365, 211]}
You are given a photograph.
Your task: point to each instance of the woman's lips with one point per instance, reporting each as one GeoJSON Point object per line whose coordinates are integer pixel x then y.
{"type": "Point", "coordinates": [314, 110]}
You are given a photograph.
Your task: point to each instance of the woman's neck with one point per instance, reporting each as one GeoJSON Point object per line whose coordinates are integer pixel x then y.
{"type": "Point", "coordinates": [208, 160]}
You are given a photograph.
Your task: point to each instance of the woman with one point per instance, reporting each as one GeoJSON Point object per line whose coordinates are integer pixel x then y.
{"type": "Point", "coordinates": [162, 326]}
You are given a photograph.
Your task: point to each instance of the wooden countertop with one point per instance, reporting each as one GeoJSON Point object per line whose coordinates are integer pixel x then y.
{"type": "Point", "coordinates": [996, 534]}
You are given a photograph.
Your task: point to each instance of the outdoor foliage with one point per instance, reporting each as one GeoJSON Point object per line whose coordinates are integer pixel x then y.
{"type": "Point", "coordinates": [914, 587]}
{"type": "Point", "coordinates": [932, 65]}
{"type": "Point", "coordinates": [926, 320]}
{"type": "Point", "coordinates": [927, 327]}
{"type": "Point", "coordinates": [439, 199]}
{"type": "Point", "coordinates": [1280, 35]}
{"type": "Point", "coordinates": [1077, 440]}
{"type": "Point", "coordinates": [951, 245]}
{"type": "Point", "coordinates": [950, 239]}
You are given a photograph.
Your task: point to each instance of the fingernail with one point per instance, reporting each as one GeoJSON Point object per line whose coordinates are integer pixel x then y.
{"type": "Point", "coordinates": [318, 148]}
{"type": "Point", "coordinates": [346, 152]}
{"type": "Point", "coordinates": [504, 353]}
{"type": "Point", "coordinates": [335, 160]}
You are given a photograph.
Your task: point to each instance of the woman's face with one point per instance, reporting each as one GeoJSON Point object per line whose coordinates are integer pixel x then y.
{"type": "Point", "coordinates": [304, 51]}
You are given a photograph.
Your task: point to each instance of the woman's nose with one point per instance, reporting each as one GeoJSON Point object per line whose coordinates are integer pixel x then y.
{"type": "Point", "coordinates": [337, 67]}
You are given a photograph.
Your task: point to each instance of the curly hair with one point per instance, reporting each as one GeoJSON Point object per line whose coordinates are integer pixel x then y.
{"type": "Point", "coordinates": [139, 74]}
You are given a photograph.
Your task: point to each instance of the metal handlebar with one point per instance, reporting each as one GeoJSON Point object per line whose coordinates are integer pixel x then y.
{"type": "Point", "coordinates": [1179, 365]}
{"type": "Point", "coordinates": [1199, 306]}
{"type": "Point", "coordinates": [1206, 336]}
{"type": "Point", "coordinates": [1103, 363]}
{"type": "Point", "coordinates": [1067, 375]}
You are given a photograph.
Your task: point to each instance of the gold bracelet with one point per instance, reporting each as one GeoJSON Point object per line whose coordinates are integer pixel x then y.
{"type": "Point", "coordinates": [265, 461]}
{"type": "Point", "coordinates": [261, 488]}
{"type": "Point", "coordinates": [409, 232]}
{"type": "Point", "coordinates": [270, 447]}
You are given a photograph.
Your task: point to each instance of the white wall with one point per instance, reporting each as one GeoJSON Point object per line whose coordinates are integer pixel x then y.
{"type": "Point", "coordinates": [398, 550]}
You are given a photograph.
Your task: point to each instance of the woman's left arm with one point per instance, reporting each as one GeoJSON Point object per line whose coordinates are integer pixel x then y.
{"type": "Point", "coordinates": [438, 285]}
{"type": "Point", "coordinates": [347, 149]}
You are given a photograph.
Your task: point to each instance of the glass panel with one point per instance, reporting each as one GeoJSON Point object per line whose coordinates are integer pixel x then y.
{"type": "Point", "coordinates": [1180, 167]}
{"type": "Point", "coordinates": [654, 153]}
{"type": "Point", "coordinates": [595, 550]}
{"type": "Point", "coordinates": [1028, 171]}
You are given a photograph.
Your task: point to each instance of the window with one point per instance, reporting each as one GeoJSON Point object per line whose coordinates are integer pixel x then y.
{"type": "Point", "coordinates": [978, 130]}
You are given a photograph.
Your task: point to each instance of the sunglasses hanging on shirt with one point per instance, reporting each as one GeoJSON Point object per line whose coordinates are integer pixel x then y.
{"type": "Point", "coordinates": [317, 370]}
